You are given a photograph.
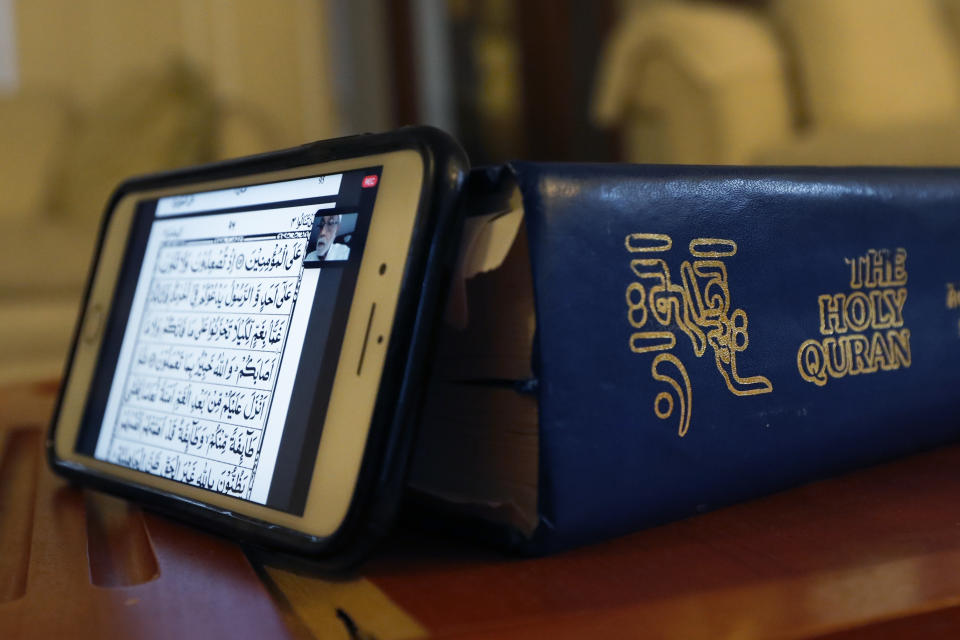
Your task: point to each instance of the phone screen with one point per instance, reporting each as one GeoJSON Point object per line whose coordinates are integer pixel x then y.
{"type": "Point", "coordinates": [225, 333]}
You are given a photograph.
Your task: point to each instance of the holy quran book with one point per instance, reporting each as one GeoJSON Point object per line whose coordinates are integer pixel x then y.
{"type": "Point", "coordinates": [629, 345]}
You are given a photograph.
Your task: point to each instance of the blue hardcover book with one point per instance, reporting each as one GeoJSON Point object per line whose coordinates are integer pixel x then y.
{"type": "Point", "coordinates": [637, 344]}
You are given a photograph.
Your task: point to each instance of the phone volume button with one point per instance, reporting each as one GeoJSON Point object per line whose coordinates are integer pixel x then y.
{"type": "Point", "coordinates": [366, 337]}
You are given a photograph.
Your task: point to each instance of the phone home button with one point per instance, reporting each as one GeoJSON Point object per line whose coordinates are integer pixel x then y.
{"type": "Point", "coordinates": [92, 323]}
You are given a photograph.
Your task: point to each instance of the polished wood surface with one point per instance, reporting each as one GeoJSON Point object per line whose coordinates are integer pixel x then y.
{"type": "Point", "coordinates": [76, 563]}
{"type": "Point", "coordinates": [851, 552]}
{"type": "Point", "coordinates": [873, 554]}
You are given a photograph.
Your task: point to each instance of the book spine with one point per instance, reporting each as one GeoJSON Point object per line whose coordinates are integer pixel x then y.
{"type": "Point", "coordinates": [708, 335]}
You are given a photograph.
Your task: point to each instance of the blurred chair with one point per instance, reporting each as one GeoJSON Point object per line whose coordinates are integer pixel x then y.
{"type": "Point", "coordinates": [790, 82]}
{"type": "Point", "coordinates": [57, 169]}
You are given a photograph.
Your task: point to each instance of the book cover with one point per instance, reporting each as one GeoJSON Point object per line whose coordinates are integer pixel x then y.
{"type": "Point", "coordinates": [697, 336]}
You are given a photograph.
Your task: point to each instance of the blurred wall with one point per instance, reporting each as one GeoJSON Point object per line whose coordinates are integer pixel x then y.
{"type": "Point", "coordinates": [91, 96]}
{"type": "Point", "coordinates": [268, 56]}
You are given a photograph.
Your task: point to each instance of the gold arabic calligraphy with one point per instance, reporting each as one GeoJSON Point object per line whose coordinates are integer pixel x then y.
{"type": "Point", "coordinates": [699, 306]}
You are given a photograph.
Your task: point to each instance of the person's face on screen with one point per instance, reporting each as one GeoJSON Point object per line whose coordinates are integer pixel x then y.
{"type": "Point", "coordinates": [329, 225]}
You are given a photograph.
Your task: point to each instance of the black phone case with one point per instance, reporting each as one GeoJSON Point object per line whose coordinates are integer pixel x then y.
{"type": "Point", "coordinates": [392, 432]}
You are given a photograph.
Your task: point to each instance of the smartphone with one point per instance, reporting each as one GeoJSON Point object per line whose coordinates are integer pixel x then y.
{"type": "Point", "coordinates": [251, 347]}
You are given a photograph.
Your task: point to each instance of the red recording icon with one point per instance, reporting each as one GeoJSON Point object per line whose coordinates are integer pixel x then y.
{"type": "Point", "coordinates": [369, 181]}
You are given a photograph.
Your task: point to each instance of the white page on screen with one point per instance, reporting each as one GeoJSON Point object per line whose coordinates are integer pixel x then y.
{"type": "Point", "coordinates": [210, 350]}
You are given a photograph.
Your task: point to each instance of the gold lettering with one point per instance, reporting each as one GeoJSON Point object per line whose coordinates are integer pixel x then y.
{"type": "Point", "coordinates": [881, 353]}
{"type": "Point", "coordinates": [647, 242]}
{"type": "Point", "coordinates": [853, 355]}
{"type": "Point", "coordinates": [636, 305]}
{"type": "Point", "coordinates": [896, 298]}
{"type": "Point", "coordinates": [899, 343]}
{"type": "Point", "coordinates": [683, 394]}
{"type": "Point", "coordinates": [646, 341]}
{"type": "Point", "coordinates": [879, 269]}
{"type": "Point", "coordinates": [811, 363]}
{"type": "Point", "coordinates": [855, 282]}
{"type": "Point", "coordinates": [836, 356]}
{"type": "Point", "coordinates": [953, 296]}
{"type": "Point", "coordinates": [699, 305]}
{"type": "Point", "coordinates": [899, 268]}
{"type": "Point", "coordinates": [883, 315]}
{"type": "Point", "coordinates": [831, 321]}
{"type": "Point", "coordinates": [882, 307]}
{"type": "Point", "coordinates": [857, 311]}
{"type": "Point", "coordinates": [712, 248]}
{"type": "Point", "coordinates": [857, 346]}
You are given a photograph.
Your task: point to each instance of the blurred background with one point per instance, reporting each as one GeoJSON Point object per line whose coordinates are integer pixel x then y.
{"type": "Point", "coordinates": [92, 91]}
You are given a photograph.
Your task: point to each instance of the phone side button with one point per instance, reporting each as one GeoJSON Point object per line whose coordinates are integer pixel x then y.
{"type": "Point", "coordinates": [366, 337]}
{"type": "Point", "coordinates": [92, 323]}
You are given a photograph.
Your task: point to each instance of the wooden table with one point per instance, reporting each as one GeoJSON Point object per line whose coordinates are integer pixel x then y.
{"type": "Point", "coordinates": [875, 554]}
